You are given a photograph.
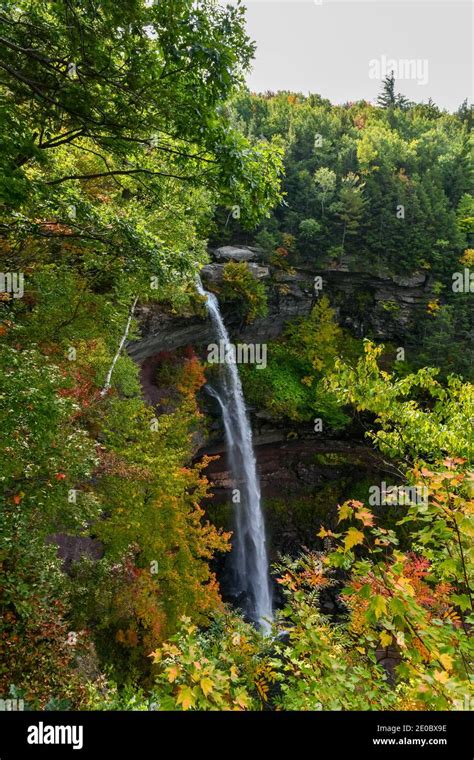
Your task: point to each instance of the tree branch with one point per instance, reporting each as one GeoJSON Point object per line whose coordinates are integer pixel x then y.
{"type": "Point", "coordinates": [117, 172]}
{"type": "Point", "coordinates": [119, 350]}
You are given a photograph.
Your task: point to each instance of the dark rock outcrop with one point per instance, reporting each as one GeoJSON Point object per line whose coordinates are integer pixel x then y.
{"type": "Point", "coordinates": [163, 332]}
{"type": "Point", "coordinates": [289, 466]}
{"type": "Point", "coordinates": [73, 548]}
{"type": "Point", "coordinates": [237, 253]}
{"type": "Point", "coordinates": [378, 305]}
{"type": "Point", "coordinates": [211, 274]}
{"type": "Point", "coordinates": [302, 483]}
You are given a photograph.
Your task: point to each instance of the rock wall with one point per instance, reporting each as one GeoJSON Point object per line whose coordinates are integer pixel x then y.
{"type": "Point", "coordinates": [376, 305]}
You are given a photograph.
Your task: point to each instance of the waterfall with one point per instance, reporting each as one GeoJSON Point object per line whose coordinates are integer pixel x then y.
{"type": "Point", "coordinates": [249, 549]}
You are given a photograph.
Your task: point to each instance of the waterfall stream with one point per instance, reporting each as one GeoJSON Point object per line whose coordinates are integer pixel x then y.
{"type": "Point", "coordinates": [249, 554]}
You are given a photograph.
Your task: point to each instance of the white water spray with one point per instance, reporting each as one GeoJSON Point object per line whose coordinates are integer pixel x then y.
{"type": "Point", "coordinates": [249, 551]}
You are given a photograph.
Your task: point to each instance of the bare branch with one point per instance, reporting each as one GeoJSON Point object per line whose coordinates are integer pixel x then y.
{"type": "Point", "coordinates": [119, 350]}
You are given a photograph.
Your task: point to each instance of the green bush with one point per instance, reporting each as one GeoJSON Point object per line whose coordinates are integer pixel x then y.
{"type": "Point", "coordinates": [239, 284]}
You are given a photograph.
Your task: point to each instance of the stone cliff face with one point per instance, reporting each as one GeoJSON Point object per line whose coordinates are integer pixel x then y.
{"type": "Point", "coordinates": [303, 475]}
{"type": "Point", "coordinates": [369, 304]}
{"type": "Point", "coordinates": [289, 467]}
{"type": "Point", "coordinates": [302, 481]}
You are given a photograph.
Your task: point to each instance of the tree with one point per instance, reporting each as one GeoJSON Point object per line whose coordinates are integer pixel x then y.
{"type": "Point", "coordinates": [309, 230]}
{"type": "Point", "coordinates": [464, 113]}
{"type": "Point", "coordinates": [80, 81]}
{"type": "Point", "coordinates": [388, 97]}
{"type": "Point", "coordinates": [351, 206]}
{"type": "Point", "coordinates": [411, 426]}
{"type": "Point", "coordinates": [325, 180]}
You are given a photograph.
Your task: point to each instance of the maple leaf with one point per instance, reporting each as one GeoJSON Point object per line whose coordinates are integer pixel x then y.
{"type": "Point", "coordinates": [451, 462]}
{"type": "Point", "coordinates": [446, 661]}
{"type": "Point", "coordinates": [287, 580]}
{"type": "Point", "coordinates": [441, 676]}
{"type": "Point", "coordinates": [186, 697]}
{"type": "Point", "coordinates": [352, 538]}
{"type": "Point", "coordinates": [365, 516]}
{"type": "Point", "coordinates": [385, 639]}
{"type": "Point", "coordinates": [172, 672]}
{"type": "Point", "coordinates": [403, 584]}
{"type": "Point", "coordinates": [379, 605]}
{"type": "Point", "coordinates": [345, 511]}
{"type": "Point", "coordinates": [206, 685]}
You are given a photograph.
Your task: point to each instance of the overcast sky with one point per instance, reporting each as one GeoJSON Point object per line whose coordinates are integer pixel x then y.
{"type": "Point", "coordinates": [327, 47]}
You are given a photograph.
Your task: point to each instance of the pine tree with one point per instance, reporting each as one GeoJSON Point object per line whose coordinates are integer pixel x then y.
{"type": "Point", "coordinates": [387, 98]}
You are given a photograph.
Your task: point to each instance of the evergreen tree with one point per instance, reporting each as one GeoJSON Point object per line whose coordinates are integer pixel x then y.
{"type": "Point", "coordinates": [388, 98]}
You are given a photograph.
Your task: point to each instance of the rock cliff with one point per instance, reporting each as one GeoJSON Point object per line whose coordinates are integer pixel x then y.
{"type": "Point", "coordinates": [377, 305]}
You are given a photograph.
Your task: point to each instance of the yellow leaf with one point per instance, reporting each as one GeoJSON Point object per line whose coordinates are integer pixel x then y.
{"type": "Point", "coordinates": [385, 639]}
{"type": "Point", "coordinates": [206, 685]}
{"type": "Point", "coordinates": [172, 650]}
{"type": "Point", "coordinates": [185, 697]}
{"type": "Point", "coordinates": [466, 527]}
{"type": "Point", "coordinates": [345, 511]}
{"type": "Point", "coordinates": [441, 676]}
{"type": "Point", "coordinates": [352, 538]}
{"type": "Point", "coordinates": [172, 672]}
{"type": "Point", "coordinates": [241, 699]}
{"type": "Point", "coordinates": [446, 661]}
{"type": "Point", "coordinates": [400, 638]}
{"type": "Point", "coordinates": [404, 584]}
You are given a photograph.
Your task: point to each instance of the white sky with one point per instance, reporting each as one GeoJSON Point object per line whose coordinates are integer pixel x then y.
{"type": "Point", "coordinates": [325, 48]}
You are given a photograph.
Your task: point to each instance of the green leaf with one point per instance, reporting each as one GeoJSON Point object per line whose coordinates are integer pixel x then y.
{"type": "Point", "coordinates": [378, 605]}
